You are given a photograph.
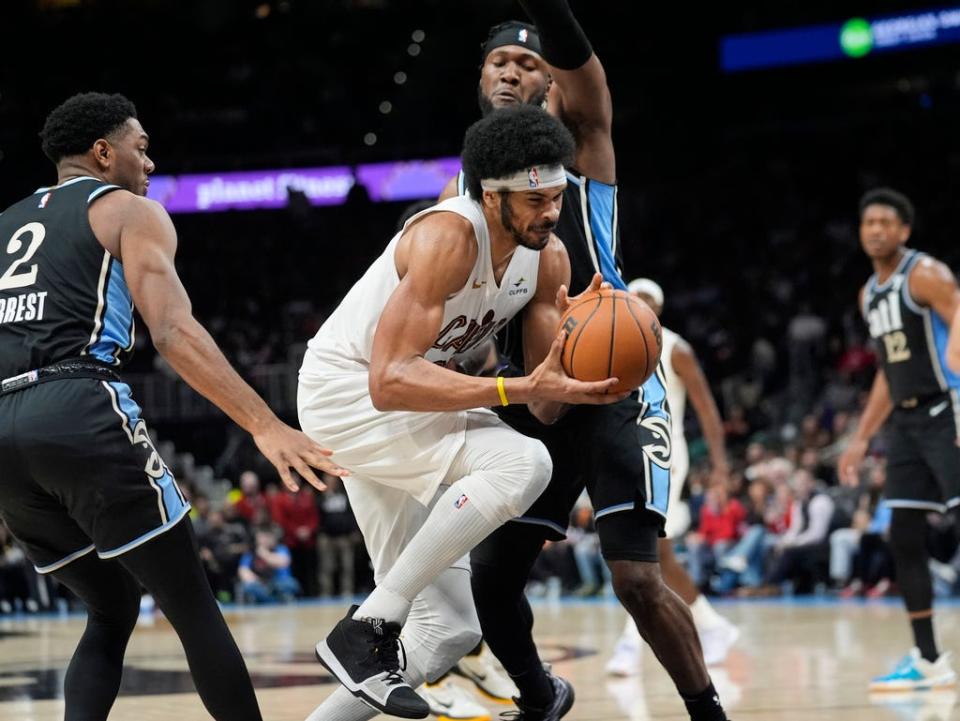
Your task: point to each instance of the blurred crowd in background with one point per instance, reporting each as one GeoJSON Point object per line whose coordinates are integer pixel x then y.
{"type": "Point", "coordinates": [738, 195]}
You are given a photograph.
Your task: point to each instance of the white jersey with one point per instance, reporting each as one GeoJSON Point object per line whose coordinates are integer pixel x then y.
{"type": "Point", "coordinates": [408, 450]}
{"type": "Point", "coordinates": [678, 515]}
{"type": "Point", "coordinates": [470, 316]}
{"type": "Point", "coordinates": [676, 391]}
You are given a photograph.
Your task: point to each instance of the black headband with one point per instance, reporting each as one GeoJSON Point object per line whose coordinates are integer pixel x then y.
{"type": "Point", "coordinates": [512, 33]}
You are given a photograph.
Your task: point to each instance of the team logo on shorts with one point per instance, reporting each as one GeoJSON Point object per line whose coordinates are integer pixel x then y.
{"type": "Point", "coordinates": [655, 439]}
{"type": "Point", "coordinates": [533, 178]}
{"type": "Point", "coordinates": [461, 502]}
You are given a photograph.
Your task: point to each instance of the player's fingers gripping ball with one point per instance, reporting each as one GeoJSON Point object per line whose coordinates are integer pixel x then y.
{"type": "Point", "coordinates": [611, 333]}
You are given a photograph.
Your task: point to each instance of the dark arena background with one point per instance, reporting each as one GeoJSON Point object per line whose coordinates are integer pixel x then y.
{"type": "Point", "coordinates": [291, 135]}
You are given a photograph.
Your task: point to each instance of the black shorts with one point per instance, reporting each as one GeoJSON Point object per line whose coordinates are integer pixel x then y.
{"type": "Point", "coordinates": [620, 453]}
{"type": "Point", "coordinates": [923, 459]}
{"type": "Point", "coordinates": [79, 473]}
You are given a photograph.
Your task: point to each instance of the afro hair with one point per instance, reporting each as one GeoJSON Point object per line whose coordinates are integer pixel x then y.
{"type": "Point", "coordinates": [512, 139]}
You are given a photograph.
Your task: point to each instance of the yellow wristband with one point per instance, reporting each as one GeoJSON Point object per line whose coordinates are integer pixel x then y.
{"type": "Point", "coordinates": [502, 392]}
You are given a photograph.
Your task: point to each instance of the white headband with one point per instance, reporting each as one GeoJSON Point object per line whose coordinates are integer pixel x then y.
{"type": "Point", "coordinates": [539, 176]}
{"type": "Point", "coordinates": [647, 287]}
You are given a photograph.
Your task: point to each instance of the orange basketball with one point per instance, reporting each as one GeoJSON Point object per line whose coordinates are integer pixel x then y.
{"type": "Point", "coordinates": [611, 333]}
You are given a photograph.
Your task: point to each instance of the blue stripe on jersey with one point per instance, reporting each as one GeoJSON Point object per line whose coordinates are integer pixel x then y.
{"type": "Point", "coordinates": [940, 333]}
{"type": "Point", "coordinates": [173, 501]}
{"type": "Point", "coordinates": [117, 331]}
{"type": "Point", "coordinates": [601, 199]}
{"type": "Point", "coordinates": [653, 396]}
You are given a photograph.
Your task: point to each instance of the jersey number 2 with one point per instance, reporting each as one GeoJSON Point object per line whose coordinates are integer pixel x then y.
{"type": "Point", "coordinates": [11, 278]}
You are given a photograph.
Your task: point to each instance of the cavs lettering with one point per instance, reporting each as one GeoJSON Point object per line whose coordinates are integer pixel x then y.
{"type": "Point", "coordinates": [459, 335]}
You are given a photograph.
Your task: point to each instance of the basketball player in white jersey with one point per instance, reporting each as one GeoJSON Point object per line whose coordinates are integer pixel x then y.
{"type": "Point", "coordinates": [433, 471]}
{"type": "Point", "coordinates": [684, 375]}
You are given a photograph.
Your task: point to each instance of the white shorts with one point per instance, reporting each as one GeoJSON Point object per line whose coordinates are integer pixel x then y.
{"type": "Point", "coordinates": [678, 512]}
{"type": "Point", "coordinates": [405, 450]}
{"type": "Point", "coordinates": [389, 517]}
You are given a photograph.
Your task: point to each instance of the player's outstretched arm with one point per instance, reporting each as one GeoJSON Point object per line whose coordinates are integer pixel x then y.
{"type": "Point", "coordinates": [147, 244]}
{"type": "Point", "coordinates": [434, 260]}
{"type": "Point", "coordinates": [691, 374]}
{"type": "Point", "coordinates": [579, 95]}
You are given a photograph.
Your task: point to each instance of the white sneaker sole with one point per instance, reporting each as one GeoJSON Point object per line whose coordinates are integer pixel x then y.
{"type": "Point", "coordinates": [330, 661]}
{"type": "Point", "coordinates": [940, 682]}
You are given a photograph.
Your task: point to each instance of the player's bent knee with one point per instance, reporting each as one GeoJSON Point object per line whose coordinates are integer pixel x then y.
{"type": "Point", "coordinates": [534, 474]}
{"type": "Point", "coordinates": [638, 584]}
{"type": "Point", "coordinates": [511, 486]}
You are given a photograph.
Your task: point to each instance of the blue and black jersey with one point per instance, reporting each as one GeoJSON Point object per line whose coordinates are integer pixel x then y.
{"type": "Point", "coordinates": [62, 295]}
{"type": "Point", "coordinates": [910, 338]}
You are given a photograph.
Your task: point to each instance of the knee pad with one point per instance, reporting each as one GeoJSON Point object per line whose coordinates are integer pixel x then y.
{"type": "Point", "coordinates": [509, 488]}
{"type": "Point", "coordinates": [530, 474]}
{"type": "Point", "coordinates": [535, 475]}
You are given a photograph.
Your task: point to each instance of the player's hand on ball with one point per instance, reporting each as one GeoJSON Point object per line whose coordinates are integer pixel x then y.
{"type": "Point", "coordinates": [287, 448]}
{"type": "Point", "coordinates": [848, 466]}
{"type": "Point", "coordinates": [564, 301]}
{"type": "Point", "coordinates": [551, 383]}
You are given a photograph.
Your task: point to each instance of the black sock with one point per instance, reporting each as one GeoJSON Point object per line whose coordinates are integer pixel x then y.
{"type": "Point", "coordinates": [534, 685]}
{"type": "Point", "coordinates": [501, 565]}
{"type": "Point", "coordinates": [923, 637]}
{"type": "Point", "coordinates": [705, 706]}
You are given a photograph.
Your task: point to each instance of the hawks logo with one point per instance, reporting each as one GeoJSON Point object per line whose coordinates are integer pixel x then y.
{"type": "Point", "coordinates": [655, 439]}
{"type": "Point", "coordinates": [533, 178]}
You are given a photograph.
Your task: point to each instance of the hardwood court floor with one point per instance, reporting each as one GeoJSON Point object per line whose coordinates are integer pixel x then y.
{"type": "Point", "coordinates": [794, 662]}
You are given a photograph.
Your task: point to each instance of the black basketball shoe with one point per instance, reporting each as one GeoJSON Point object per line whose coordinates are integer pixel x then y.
{"type": "Point", "coordinates": [562, 702]}
{"type": "Point", "coordinates": [363, 656]}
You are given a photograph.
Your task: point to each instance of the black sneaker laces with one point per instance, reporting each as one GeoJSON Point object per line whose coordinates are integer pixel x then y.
{"type": "Point", "coordinates": [384, 650]}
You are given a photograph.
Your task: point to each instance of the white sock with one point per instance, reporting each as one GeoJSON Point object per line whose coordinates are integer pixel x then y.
{"type": "Point", "coordinates": [452, 529]}
{"type": "Point", "coordinates": [342, 705]}
{"type": "Point", "coordinates": [631, 635]}
{"type": "Point", "coordinates": [705, 617]}
{"type": "Point", "coordinates": [383, 603]}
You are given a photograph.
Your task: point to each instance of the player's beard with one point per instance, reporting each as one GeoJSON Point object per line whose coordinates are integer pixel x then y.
{"type": "Point", "coordinates": [486, 106]}
{"type": "Point", "coordinates": [506, 217]}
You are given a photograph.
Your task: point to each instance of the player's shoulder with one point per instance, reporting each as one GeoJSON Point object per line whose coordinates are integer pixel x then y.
{"type": "Point", "coordinates": [927, 269]}
{"type": "Point", "coordinates": [554, 257]}
{"type": "Point", "coordinates": [123, 201]}
{"type": "Point", "coordinates": [441, 238]}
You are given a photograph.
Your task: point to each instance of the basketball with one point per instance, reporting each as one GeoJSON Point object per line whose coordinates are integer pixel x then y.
{"type": "Point", "coordinates": [611, 333]}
